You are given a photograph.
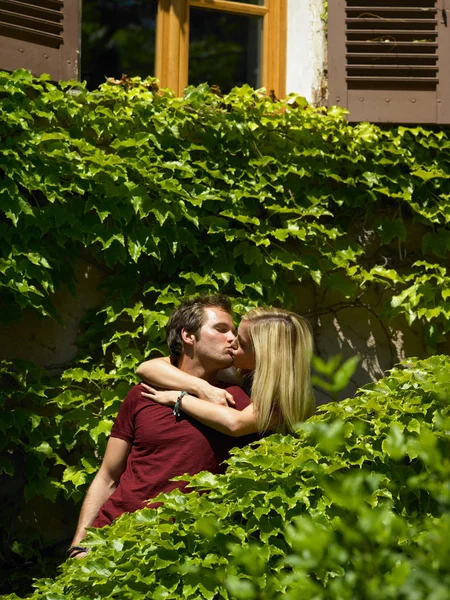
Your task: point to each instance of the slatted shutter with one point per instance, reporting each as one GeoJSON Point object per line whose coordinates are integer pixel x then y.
{"type": "Point", "coordinates": [41, 36]}
{"type": "Point", "coordinates": [389, 60]}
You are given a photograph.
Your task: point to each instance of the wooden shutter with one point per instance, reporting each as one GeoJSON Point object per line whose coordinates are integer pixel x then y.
{"type": "Point", "coordinates": [389, 60]}
{"type": "Point", "coordinates": [41, 36]}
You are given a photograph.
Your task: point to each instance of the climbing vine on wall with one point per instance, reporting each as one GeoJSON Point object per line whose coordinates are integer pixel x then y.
{"type": "Point", "coordinates": [355, 506]}
{"type": "Point", "coordinates": [169, 196]}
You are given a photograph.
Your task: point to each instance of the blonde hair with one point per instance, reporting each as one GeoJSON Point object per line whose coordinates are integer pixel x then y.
{"type": "Point", "coordinates": [281, 391]}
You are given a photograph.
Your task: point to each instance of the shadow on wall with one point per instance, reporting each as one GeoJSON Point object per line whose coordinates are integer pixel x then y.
{"type": "Point", "coordinates": [43, 340]}
{"type": "Point", "coordinates": [350, 328]}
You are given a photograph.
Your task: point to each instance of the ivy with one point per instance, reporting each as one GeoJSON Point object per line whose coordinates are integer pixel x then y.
{"type": "Point", "coordinates": [257, 192]}
{"type": "Point", "coordinates": [166, 196]}
{"type": "Point", "coordinates": [349, 507]}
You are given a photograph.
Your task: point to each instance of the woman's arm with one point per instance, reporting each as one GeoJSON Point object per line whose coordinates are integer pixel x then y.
{"type": "Point", "coordinates": [221, 418]}
{"type": "Point", "coordinates": [161, 372]}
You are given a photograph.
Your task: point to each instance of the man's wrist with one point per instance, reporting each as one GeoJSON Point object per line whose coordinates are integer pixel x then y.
{"type": "Point", "coordinates": [74, 551]}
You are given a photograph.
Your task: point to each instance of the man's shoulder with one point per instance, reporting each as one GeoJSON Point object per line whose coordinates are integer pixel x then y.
{"type": "Point", "coordinates": [135, 391]}
{"type": "Point", "coordinates": [230, 375]}
{"type": "Point", "coordinates": [241, 398]}
{"type": "Point", "coordinates": [134, 395]}
{"type": "Point", "coordinates": [134, 402]}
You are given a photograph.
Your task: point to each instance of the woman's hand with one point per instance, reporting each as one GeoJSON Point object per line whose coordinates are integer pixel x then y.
{"type": "Point", "coordinates": [213, 394]}
{"type": "Point", "coordinates": [165, 397]}
{"type": "Point", "coordinates": [80, 555]}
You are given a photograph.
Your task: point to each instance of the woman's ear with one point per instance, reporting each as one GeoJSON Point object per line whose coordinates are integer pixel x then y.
{"type": "Point", "coordinates": [188, 338]}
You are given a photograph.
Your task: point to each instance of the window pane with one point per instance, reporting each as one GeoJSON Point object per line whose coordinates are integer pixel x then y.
{"type": "Point", "coordinates": [118, 36]}
{"type": "Point", "coordinates": [224, 49]}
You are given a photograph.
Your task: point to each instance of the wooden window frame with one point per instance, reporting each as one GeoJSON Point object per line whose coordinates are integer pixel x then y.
{"type": "Point", "coordinates": [172, 40]}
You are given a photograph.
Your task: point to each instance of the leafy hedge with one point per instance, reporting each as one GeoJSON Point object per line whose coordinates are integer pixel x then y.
{"type": "Point", "coordinates": [356, 506]}
{"type": "Point", "coordinates": [169, 196]}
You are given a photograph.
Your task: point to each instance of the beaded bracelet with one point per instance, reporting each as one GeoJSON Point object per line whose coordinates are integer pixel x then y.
{"type": "Point", "coordinates": [75, 550]}
{"type": "Point", "coordinates": [177, 407]}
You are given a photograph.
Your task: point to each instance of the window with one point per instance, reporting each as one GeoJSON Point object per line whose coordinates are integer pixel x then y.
{"type": "Point", "coordinates": [224, 48]}
{"type": "Point", "coordinates": [250, 35]}
{"type": "Point", "coordinates": [388, 60]}
{"type": "Point", "coordinates": [223, 42]}
{"type": "Point", "coordinates": [181, 42]}
{"type": "Point", "coordinates": [117, 36]}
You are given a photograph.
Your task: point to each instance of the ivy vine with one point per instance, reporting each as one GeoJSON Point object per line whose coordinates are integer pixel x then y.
{"type": "Point", "coordinates": [169, 196]}
{"type": "Point", "coordinates": [355, 506]}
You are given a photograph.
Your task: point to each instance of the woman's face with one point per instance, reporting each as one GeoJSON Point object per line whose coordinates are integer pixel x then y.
{"type": "Point", "coordinates": [244, 357]}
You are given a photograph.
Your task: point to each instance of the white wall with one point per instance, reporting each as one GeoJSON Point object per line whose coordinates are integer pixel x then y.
{"type": "Point", "coordinates": [306, 50]}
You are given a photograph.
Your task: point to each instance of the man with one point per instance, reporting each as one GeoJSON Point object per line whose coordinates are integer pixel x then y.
{"type": "Point", "coordinates": [150, 443]}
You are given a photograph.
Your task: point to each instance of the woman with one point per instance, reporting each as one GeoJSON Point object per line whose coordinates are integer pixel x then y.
{"type": "Point", "coordinates": [275, 349]}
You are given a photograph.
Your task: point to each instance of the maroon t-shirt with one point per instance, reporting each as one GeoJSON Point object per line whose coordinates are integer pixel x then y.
{"type": "Point", "coordinates": [164, 446]}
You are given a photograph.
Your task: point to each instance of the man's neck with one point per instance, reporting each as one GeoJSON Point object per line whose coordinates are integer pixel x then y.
{"type": "Point", "coordinates": [191, 366]}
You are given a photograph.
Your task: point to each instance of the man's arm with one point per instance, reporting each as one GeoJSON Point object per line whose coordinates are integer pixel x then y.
{"type": "Point", "coordinates": [103, 485]}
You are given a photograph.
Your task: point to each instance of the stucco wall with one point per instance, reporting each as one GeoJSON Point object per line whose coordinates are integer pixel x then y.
{"type": "Point", "coordinates": [306, 50]}
{"type": "Point", "coordinates": [342, 328]}
{"type": "Point", "coordinates": [45, 341]}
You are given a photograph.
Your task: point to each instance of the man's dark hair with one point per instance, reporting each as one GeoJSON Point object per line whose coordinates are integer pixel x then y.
{"type": "Point", "coordinates": [191, 317]}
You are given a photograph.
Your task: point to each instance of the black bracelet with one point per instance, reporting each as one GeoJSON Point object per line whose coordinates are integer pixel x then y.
{"type": "Point", "coordinates": [75, 550]}
{"type": "Point", "coordinates": [177, 407]}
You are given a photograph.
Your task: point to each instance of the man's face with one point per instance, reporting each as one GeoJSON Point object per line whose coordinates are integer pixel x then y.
{"type": "Point", "coordinates": [217, 341]}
